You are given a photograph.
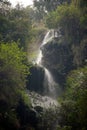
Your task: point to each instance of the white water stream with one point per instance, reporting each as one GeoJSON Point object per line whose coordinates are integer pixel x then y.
{"type": "Point", "coordinates": [49, 84]}
{"type": "Point", "coordinates": [48, 37]}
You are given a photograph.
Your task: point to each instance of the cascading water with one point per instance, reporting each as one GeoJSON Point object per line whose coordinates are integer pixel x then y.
{"type": "Point", "coordinates": [49, 98]}
{"type": "Point", "coordinates": [49, 83]}
{"type": "Point", "coordinates": [47, 38]}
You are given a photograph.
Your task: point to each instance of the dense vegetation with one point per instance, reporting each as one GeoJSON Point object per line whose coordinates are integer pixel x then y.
{"type": "Point", "coordinates": [72, 21]}
{"type": "Point", "coordinates": [21, 29]}
{"type": "Point", "coordinates": [15, 32]}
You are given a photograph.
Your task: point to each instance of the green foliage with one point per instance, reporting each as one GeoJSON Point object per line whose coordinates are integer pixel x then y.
{"type": "Point", "coordinates": [71, 19]}
{"type": "Point", "coordinates": [42, 7]}
{"type": "Point", "coordinates": [38, 33]}
{"type": "Point", "coordinates": [51, 20]}
{"type": "Point", "coordinates": [76, 82]}
{"type": "Point", "coordinates": [78, 92]}
{"type": "Point", "coordinates": [16, 26]}
{"type": "Point", "coordinates": [25, 97]}
{"type": "Point", "coordinates": [13, 71]}
{"type": "Point", "coordinates": [66, 17]}
{"type": "Point", "coordinates": [48, 5]}
{"type": "Point", "coordinates": [74, 105]}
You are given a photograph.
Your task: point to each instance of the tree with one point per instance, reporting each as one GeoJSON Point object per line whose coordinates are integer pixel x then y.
{"type": "Point", "coordinates": [16, 26]}
{"type": "Point", "coordinates": [48, 5]}
{"type": "Point", "coordinates": [66, 17]}
{"type": "Point", "coordinates": [13, 72]}
{"type": "Point", "coordinates": [74, 104]}
{"type": "Point", "coordinates": [5, 6]}
{"type": "Point", "coordinates": [43, 7]}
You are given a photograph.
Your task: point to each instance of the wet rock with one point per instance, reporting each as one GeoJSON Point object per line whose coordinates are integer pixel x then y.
{"type": "Point", "coordinates": [35, 80]}
{"type": "Point", "coordinates": [59, 59]}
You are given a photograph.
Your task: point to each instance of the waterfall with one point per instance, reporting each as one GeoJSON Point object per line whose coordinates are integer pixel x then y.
{"type": "Point", "coordinates": [49, 83]}
{"type": "Point", "coordinates": [48, 37]}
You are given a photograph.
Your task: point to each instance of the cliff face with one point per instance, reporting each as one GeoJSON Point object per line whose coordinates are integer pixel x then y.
{"type": "Point", "coordinates": [61, 58]}
{"type": "Point", "coordinates": [35, 80]}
